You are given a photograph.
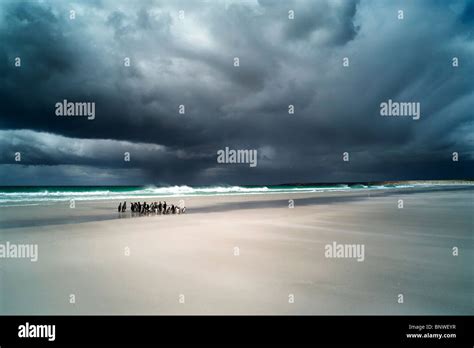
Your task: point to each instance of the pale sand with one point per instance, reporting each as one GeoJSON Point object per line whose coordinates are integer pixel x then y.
{"type": "Point", "coordinates": [407, 251]}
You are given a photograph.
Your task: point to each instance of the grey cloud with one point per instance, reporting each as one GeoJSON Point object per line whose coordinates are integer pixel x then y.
{"type": "Point", "coordinates": [283, 62]}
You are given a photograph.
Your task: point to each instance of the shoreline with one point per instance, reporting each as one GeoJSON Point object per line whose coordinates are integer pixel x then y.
{"type": "Point", "coordinates": [14, 215]}
{"type": "Point", "coordinates": [187, 191]}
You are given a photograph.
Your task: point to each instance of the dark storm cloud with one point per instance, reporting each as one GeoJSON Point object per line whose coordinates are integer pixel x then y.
{"type": "Point", "coordinates": [334, 19]}
{"type": "Point", "coordinates": [190, 62]}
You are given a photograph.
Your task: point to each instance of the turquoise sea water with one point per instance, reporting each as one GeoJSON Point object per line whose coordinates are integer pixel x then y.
{"type": "Point", "coordinates": [44, 194]}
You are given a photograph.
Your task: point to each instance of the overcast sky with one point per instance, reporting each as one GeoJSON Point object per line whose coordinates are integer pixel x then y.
{"type": "Point", "coordinates": [190, 61]}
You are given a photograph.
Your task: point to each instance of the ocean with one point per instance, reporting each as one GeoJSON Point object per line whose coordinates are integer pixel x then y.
{"type": "Point", "coordinates": [43, 195]}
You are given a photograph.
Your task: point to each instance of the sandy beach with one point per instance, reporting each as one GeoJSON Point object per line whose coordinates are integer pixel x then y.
{"type": "Point", "coordinates": [246, 254]}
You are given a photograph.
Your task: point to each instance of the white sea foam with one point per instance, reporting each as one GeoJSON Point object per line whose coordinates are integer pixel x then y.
{"type": "Point", "coordinates": [42, 196]}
